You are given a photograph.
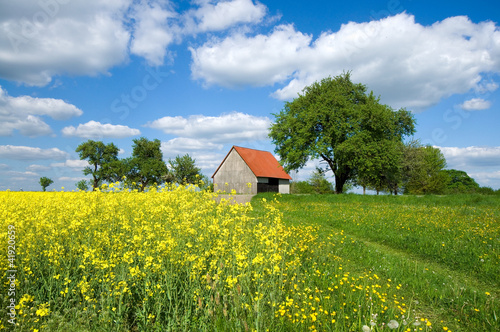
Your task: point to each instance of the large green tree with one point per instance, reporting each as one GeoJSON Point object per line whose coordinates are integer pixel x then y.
{"type": "Point", "coordinates": [98, 156]}
{"type": "Point", "coordinates": [335, 120]}
{"type": "Point", "coordinates": [460, 182]}
{"type": "Point", "coordinates": [45, 182]}
{"type": "Point", "coordinates": [184, 170]}
{"type": "Point", "coordinates": [423, 169]}
{"type": "Point", "coordinates": [146, 166]}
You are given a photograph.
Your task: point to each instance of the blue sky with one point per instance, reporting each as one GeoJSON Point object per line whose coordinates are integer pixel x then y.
{"type": "Point", "coordinates": [204, 75]}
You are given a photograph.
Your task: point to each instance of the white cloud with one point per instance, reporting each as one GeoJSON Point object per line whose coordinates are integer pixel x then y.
{"type": "Point", "coordinates": [224, 14]}
{"type": "Point", "coordinates": [239, 60]}
{"type": "Point", "coordinates": [475, 104]}
{"type": "Point", "coordinates": [205, 137]}
{"type": "Point", "coordinates": [29, 125]}
{"type": "Point", "coordinates": [153, 33]}
{"type": "Point", "coordinates": [30, 153]}
{"type": "Point", "coordinates": [94, 129]}
{"type": "Point", "coordinates": [471, 157]}
{"type": "Point", "coordinates": [489, 179]}
{"type": "Point", "coordinates": [23, 114]}
{"type": "Point", "coordinates": [42, 39]}
{"type": "Point", "coordinates": [67, 178]}
{"type": "Point", "coordinates": [408, 64]}
{"type": "Point", "coordinates": [183, 145]}
{"type": "Point", "coordinates": [19, 174]}
{"type": "Point", "coordinates": [208, 162]}
{"type": "Point", "coordinates": [228, 128]}
{"type": "Point", "coordinates": [38, 168]}
{"type": "Point", "coordinates": [72, 163]}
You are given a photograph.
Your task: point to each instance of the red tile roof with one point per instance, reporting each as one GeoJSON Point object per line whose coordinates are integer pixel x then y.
{"type": "Point", "coordinates": [261, 163]}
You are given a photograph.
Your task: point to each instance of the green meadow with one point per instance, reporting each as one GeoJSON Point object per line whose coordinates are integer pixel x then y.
{"type": "Point", "coordinates": [440, 253]}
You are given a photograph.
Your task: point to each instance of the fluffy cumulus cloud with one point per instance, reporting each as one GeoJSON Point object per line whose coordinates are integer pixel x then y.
{"type": "Point", "coordinates": [207, 155]}
{"type": "Point", "coordinates": [153, 30]}
{"type": "Point", "coordinates": [228, 128]}
{"type": "Point", "coordinates": [183, 145]}
{"type": "Point", "coordinates": [489, 179]}
{"type": "Point", "coordinates": [27, 153]}
{"type": "Point", "coordinates": [24, 114]}
{"type": "Point", "coordinates": [96, 130]}
{"type": "Point", "coordinates": [261, 60]}
{"type": "Point", "coordinates": [73, 179]}
{"type": "Point", "coordinates": [408, 64]}
{"type": "Point", "coordinates": [75, 164]}
{"type": "Point", "coordinates": [476, 104]}
{"type": "Point", "coordinates": [471, 157]}
{"type": "Point", "coordinates": [205, 137]}
{"type": "Point", "coordinates": [41, 39]}
{"type": "Point", "coordinates": [216, 16]}
{"type": "Point", "coordinates": [38, 168]}
{"type": "Point", "coordinates": [21, 175]}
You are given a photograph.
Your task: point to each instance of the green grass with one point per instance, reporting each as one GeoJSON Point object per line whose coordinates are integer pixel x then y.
{"type": "Point", "coordinates": [443, 251]}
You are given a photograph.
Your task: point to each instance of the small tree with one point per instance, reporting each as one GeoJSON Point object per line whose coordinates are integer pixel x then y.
{"type": "Point", "coordinates": [301, 187]}
{"type": "Point", "coordinates": [319, 183]}
{"type": "Point", "coordinates": [146, 166]}
{"type": "Point", "coordinates": [460, 182]}
{"type": "Point", "coordinates": [184, 170]}
{"type": "Point", "coordinates": [422, 169]}
{"type": "Point", "coordinates": [98, 155]}
{"type": "Point", "coordinates": [45, 182]}
{"type": "Point", "coordinates": [82, 185]}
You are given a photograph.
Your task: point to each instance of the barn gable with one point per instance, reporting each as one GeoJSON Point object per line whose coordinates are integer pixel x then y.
{"type": "Point", "coordinates": [242, 166]}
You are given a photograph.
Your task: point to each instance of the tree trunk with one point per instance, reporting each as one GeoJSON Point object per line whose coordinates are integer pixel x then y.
{"type": "Point", "coordinates": [339, 183]}
{"type": "Point", "coordinates": [341, 175]}
{"type": "Point", "coordinates": [96, 180]}
{"type": "Point", "coordinates": [96, 184]}
{"type": "Point", "coordinates": [364, 190]}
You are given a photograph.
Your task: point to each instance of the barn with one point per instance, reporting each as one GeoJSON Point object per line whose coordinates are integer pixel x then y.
{"type": "Point", "coordinates": [249, 171]}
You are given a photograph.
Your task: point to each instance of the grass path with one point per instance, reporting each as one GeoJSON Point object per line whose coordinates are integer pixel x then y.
{"type": "Point", "coordinates": [441, 294]}
{"type": "Point", "coordinates": [454, 299]}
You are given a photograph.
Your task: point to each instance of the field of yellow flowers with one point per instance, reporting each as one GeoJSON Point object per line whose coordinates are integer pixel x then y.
{"type": "Point", "coordinates": [175, 260]}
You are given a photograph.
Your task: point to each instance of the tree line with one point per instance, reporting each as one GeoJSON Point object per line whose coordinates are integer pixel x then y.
{"type": "Point", "coordinates": [419, 180]}
{"type": "Point", "coordinates": [144, 168]}
{"type": "Point", "coordinates": [361, 141]}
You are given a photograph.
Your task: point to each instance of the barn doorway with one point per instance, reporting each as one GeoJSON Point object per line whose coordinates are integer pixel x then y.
{"type": "Point", "coordinates": [272, 186]}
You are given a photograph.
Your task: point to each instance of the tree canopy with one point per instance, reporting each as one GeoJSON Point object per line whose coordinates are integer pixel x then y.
{"type": "Point", "coordinates": [184, 170]}
{"type": "Point", "coordinates": [98, 155]}
{"type": "Point", "coordinates": [337, 121]}
{"type": "Point", "coordinates": [146, 166]}
{"type": "Point", "coordinates": [82, 185]}
{"type": "Point", "coordinates": [45, 182]}
{"type": "Point", "coordinates": [460, 182]}
{"type": "Point", "coordinates": [423, 169]}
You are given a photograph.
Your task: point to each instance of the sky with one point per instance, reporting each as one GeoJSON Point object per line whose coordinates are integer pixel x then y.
{"type": "Point", "coordinates": [202, 76]}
